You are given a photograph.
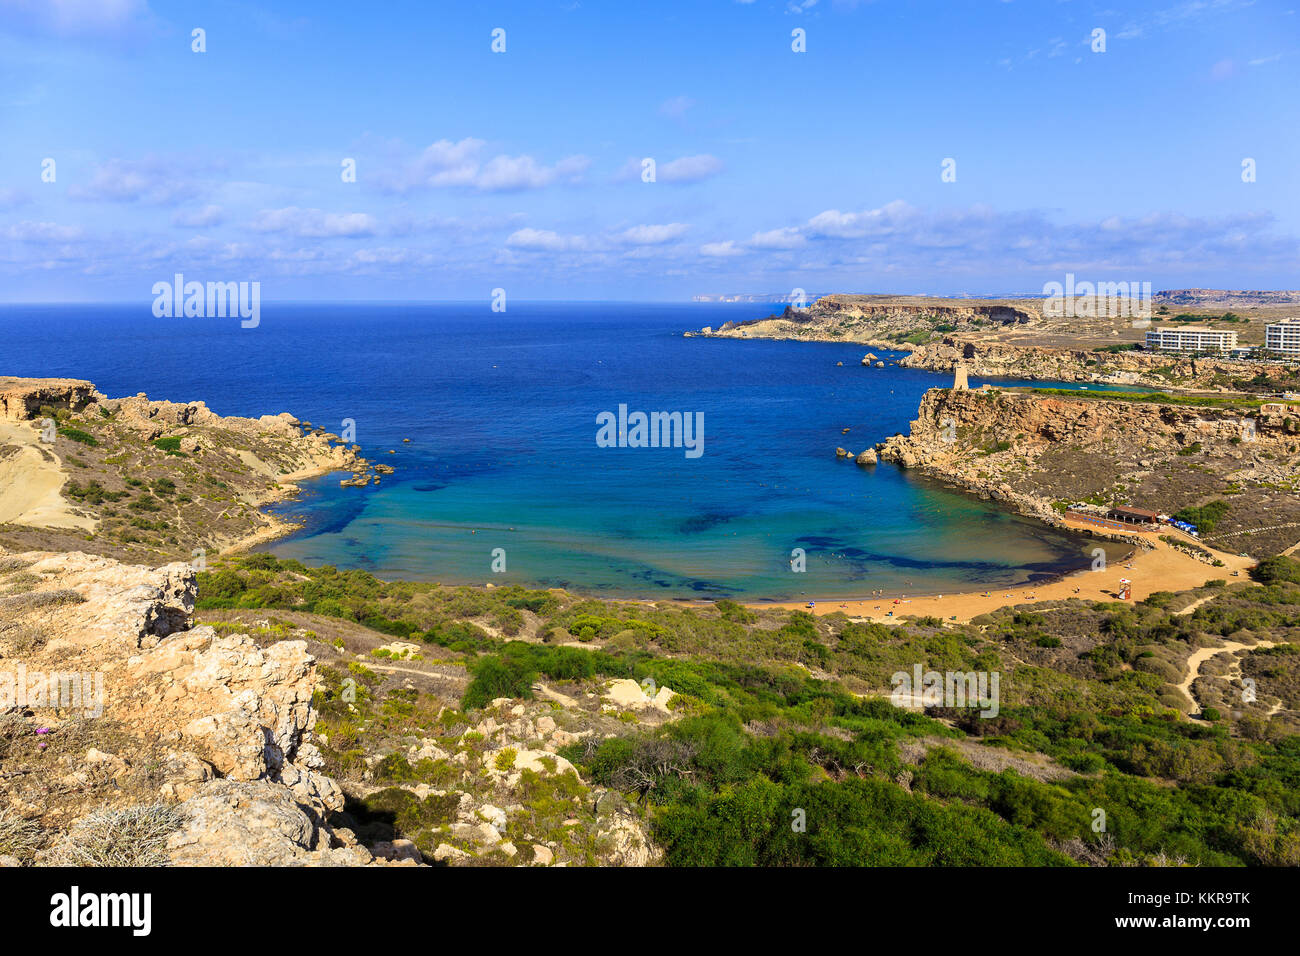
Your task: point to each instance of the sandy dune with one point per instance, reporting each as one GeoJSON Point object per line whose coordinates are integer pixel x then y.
{"type": "Point", "coordinates": [31, 477]}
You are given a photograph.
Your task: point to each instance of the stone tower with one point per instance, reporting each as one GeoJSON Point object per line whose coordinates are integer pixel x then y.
{"type": "Point", "coordinates": [959, 383]}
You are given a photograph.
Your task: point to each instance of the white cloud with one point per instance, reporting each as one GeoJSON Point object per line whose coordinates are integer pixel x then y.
{"type": "Point", "coordinates": [647, 235]}
{"type": "Point", "coordinates": [841, 225]}
{"type": "Point", "coordinates": [73, 18]}
{"type": "Point", "coordinates": [150, 181]}
{"type": "Point", "coordinates": [788, 238]}
{"type": "Point", "coordinates": [502, 173]}
{"type": "Point", "coordinates": [10, 198]}
{"type": "Point", "coordinates": [721, 250]}
{"type": "Point", "coordinates": [676, 107]}
{"type": "Point", "coordinates": [199, 218]}
{"type": "Point", "coordinates": [28, 231]}
{"type": "Point", "coordinates": [545, 240]}
{"type": "Point", "coordinates": [689, 169]}
{"type": "Point", "coordinates": [447, 164]}
{"type": "Point", "coordinates": [314, 223]}
{"type": "Point", "coordinates": [979, 240]}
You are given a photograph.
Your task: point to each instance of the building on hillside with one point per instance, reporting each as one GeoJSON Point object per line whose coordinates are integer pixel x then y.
{"type": "Point", "coordinates": [1132, 516]}
{"type": "Point", "coordinates": [1283, 337]}
{"type": "Point", "coordinates": [959, 380]}
{"type": "Point", "coordinates": [1191, 338]}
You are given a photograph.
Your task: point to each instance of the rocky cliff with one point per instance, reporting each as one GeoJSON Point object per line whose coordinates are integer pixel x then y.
{"type": "Point", "coordinates": [126, 735]}
{"type": "Point", "coordinates": [1036, 450]}
{"type": "Point", "coordinates": [21, 398]}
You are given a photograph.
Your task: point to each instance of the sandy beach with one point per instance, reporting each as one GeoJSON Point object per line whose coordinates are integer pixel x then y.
{"type": "Point", "coordinates": [1163, 568]}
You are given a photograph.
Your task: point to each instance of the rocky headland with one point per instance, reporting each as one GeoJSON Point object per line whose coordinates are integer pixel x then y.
{"type": "Point", "coordinates": [149, 480]}
{"type": "Point", "coordinates": [880, 321]}
{"type": "Point", "coordinates": [1041, 452]}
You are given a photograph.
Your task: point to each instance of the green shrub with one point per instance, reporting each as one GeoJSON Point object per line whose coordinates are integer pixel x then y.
{"type": "Point", "coordinates": [76, 434]}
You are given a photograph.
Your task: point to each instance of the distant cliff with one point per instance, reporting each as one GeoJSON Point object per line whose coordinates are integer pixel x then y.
{"type": "Point", "coordinates": [882, 321]}
{"type": "Point", "coordinates": [1035, 450]}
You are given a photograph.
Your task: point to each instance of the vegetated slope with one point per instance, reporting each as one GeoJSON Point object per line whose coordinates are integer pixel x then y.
{"type": "Point", "coordinates": [779, 744]}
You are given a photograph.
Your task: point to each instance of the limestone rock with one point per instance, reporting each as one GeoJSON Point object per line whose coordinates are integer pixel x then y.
{"type": "Point", "coordinates": [232, 823]}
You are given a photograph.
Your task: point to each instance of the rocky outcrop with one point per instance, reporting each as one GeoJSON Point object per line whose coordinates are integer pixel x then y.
{"type": "Point", "coordinates": [229, 823]}
{"type": "Point", "coordinates": [22, 398]}
{"type": "Point", "coordinates": [122, 601]}
{"type": "Point", "coordinates": [215, 726]}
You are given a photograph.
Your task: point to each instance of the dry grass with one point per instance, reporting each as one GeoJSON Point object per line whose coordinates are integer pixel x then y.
{"type": "Point", "coordinates": [17, 640]}
{"type": "Point", "coordinates": [35, 600]}
{"type": "Point", "coordinates": [131, 836]}
{"type": "Point", "coordinates": [12, 729]}
{"type": "Point", "coordinates": [19, 837]}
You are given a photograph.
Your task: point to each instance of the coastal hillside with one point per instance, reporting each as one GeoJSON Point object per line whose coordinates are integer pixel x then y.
{"type": "Point", "coordinates": [506, 727]}
{"type": "Point", "coordinates": [1229, 465]}
{"type": "Point", "coordinates": [987, 359]}
{"type": "Point", "coordinates": [147, 481]}
{"type": "Point", "coordinates": [910, 322]}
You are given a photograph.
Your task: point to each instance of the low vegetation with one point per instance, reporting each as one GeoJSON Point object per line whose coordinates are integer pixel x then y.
{"type": "Point", "coordinates": [783, 747]}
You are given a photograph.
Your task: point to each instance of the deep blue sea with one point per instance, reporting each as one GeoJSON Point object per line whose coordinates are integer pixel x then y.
{"type": "Point", "coordinates": [500, 410]}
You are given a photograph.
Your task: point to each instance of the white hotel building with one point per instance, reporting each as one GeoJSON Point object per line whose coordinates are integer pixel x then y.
{"type": "Point", "coordinates": [1191, 338]}
{"type": "Point", "coordinates": [1283, 338]}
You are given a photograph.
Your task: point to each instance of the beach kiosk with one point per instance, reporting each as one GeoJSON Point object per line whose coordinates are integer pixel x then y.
{"type": "Point", "coordinates": [1140, 519]}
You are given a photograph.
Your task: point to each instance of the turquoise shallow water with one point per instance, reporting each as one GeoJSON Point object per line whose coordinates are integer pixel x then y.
{"type": "Point", "coordinates": [501, 410]}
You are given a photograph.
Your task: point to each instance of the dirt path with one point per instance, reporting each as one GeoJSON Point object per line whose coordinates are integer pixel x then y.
{"type": "Point", "coordinates": [1203, 654]}
{"type": "Point", "coordinates": [1194, 605]}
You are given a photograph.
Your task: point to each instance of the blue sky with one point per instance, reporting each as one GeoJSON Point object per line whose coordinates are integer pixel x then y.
{"type": "Point", "coordinates": [521, 170]}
